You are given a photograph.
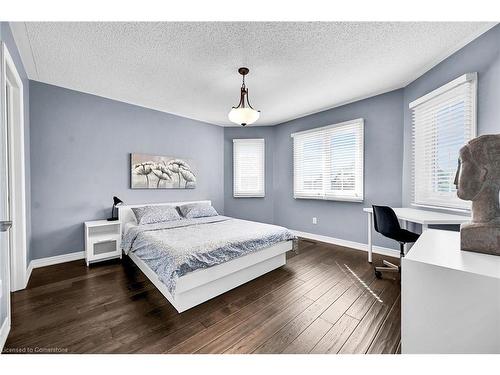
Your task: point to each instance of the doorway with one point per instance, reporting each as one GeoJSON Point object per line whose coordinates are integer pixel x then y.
{"type": "Point", "coordinates": [12, 119]}
{"type": "Point", "coordinates": [13, 252]}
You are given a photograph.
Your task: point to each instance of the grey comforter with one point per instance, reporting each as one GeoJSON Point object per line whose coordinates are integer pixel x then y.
{"type": "Point", "coordinates": [172, 249]}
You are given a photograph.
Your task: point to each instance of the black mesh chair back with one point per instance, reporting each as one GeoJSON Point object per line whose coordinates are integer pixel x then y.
{"type": "Point", "coordinates": [385, 221]}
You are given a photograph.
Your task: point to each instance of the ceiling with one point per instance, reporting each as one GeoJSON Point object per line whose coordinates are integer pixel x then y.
{"type": "Point", "coordinates": [190, 68]}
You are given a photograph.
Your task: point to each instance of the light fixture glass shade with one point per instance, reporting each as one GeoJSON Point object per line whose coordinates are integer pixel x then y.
{"type": "Point", "coordinates": [243, 116]}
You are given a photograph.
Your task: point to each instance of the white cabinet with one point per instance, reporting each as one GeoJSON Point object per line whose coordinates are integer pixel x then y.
{"type": "Point", "coordinates": [450, 299]}
{"type": "Point", "coordinates": [102, 240]}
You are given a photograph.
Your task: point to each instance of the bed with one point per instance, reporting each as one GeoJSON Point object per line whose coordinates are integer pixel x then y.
{"type": "Point", "coordinates": [204, 269]}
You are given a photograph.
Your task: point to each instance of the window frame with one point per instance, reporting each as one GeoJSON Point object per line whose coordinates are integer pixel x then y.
{"type": "Point", "coordinates": [326, 194]}
{"type": "Point", "coordinates": [468, 78]}
{"type": "Point", "coordinates": [250, 194]}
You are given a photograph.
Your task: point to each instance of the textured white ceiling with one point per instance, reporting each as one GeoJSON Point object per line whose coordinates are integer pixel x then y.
{"type": "Point", "coordinates": [190, 69]}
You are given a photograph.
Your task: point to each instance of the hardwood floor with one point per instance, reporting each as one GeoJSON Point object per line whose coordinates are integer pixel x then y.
{"type": "Point", "coordinates": [325, 300]}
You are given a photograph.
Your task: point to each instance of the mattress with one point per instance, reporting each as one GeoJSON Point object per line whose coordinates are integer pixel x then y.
{"type": "Point", "coordinates": [173, 249]}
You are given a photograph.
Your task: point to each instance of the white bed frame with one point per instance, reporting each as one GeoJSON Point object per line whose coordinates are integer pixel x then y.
{"type": "Point", "coordinates": [199, 286]}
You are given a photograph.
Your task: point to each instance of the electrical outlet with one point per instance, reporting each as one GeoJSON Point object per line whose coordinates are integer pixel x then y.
{"type": "Point", "coordinates": [315, 220]}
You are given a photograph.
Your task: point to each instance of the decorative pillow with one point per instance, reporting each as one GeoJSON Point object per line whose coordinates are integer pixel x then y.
{"type": "Point", "coordinates": [194, 210]}
{"type": "Point", "coordinates": [155, 214]}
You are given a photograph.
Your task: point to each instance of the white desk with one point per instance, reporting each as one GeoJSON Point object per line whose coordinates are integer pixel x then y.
{"type": "Point", "coordinates": [414, 215]}
{"type": "Point", "coordinates": [450, 299]}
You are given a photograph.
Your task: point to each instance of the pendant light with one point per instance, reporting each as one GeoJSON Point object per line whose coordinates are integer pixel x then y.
{"type": "Point", "coordinates": [243, 114]}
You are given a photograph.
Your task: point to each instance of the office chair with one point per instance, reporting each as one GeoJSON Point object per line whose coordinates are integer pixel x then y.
{"type": "Point", "coordinates": [387, 224]}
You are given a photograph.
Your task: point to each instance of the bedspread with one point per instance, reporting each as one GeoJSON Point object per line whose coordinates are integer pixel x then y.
{"type": "Point", "coordinates": [172, 249]}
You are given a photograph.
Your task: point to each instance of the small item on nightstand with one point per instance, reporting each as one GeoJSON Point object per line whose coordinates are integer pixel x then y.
{"type": "Point", "coordinates": [478, 180]}
{"type": "Point", "coordinates": [116, 202]}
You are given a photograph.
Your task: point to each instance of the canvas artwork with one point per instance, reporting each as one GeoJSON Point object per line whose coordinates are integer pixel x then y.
{"type": "Point", "coordinates": [161, 172]}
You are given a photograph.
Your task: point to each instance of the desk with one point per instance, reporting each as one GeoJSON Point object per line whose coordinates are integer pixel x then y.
{"type": "Point", "coordinates": [450, 299]}
{"type": "Point", "coordinates": [424, 217]}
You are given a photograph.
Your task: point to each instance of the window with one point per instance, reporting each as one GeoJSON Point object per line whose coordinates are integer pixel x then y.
{"type": "Point", "coordinates": [248, 168]}
{"type": "Point", "coordinates": [328, 162]}
{"type": "Point", "coordinates": [443, 121]}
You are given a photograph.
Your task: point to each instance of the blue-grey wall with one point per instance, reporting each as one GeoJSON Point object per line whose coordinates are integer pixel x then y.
{"type": "Point", "coordinates": [387, 147]}
{"type": "Point", "coordinates": [76, 165]}
{"type": "Point", "coordinates": [7, 38]}
{"type": "Point", "coordinates": [482, 55]}
{"type": "Point", "coordinates": [80, 149]}
{"type": "Point", "coordinates": [383, 115]}
{"type": "Point", "coordinates": [383, 156]}
{"type": "Point", "coordinates": [259, 209]}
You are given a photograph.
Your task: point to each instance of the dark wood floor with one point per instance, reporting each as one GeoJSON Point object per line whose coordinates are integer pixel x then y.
{"type": "Point", "coordinates": [325, 300]}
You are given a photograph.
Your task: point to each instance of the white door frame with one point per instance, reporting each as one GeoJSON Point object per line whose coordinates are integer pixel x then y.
{"type": "Point", "coordinates": [16, 167]}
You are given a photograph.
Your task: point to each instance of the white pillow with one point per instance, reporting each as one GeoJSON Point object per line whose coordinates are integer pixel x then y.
{"type": "Point", "coordinates": [155, 214]}
{"type": "Point", "coordinates": [194, 210]}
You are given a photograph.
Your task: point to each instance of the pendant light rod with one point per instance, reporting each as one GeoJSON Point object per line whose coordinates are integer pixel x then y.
{"type": "Point", "coordinates": [243, 113]}
{"type": "Point", "coordinates": [244, 91]}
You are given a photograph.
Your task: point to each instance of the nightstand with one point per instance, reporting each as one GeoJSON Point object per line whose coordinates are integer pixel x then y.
{"type": "Point", "coordinates": [102, 240]}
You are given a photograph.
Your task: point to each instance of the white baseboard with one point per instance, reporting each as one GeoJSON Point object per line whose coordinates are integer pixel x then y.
{"type": "Point", "coordinates": [43, 262]}
{"type": "Point", "coordinates": [354, 245]}
{"type": "Point", "coordinates": [28, 273]}
{"type": "Point", "coordinates": [4, 332]}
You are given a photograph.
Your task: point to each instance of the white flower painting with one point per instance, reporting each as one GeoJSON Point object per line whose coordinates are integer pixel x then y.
{"type": "Point", "coordinates": [161, 172]}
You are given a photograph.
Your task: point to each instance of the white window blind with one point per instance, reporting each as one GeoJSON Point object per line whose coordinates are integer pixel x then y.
{"type": "Point", "coordinates": [248, 168]}
{"type": "Point", "coordinates": [328, 162]}
{"type": "Point", "coordinates": [443, 121]}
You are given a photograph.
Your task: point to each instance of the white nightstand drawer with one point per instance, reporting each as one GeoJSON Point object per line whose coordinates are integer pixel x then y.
{"type": "Point", "coordinates": [104, 238]}
{"type": "Point", "coordinates": [104, 247]}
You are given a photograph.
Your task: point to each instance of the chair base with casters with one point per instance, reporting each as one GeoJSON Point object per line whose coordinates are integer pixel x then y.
{"type": "Point", "coordinates": [388, 266]}
{"type": "Point", "coordinates": [386, 223]}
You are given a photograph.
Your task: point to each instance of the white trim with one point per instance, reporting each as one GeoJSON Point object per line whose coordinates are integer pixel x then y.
{"type": "Point", "coordinates": [28, 272]}
{"type": "Point", "coordinates": [248, 140]}
{"type": "Point", "coordinates": [4, 332]}
{"type": "Point", "coordinates": [253, 194]}
{"type": "Point", "coordinates": [20, 35]}
{"type": "Point", "coordinates": [49, 261]}
{"type": "Point", "coordinates": [446, 87]}
{"type": "Point", "coordinates": [346, 243]}
{"type": "Point", "coordinates": [349, 122]}
{"type": "Point", "coordinates": [323, 198]}
{"type": "Point", "coordinates": [474, 105]}
{"type": "Point", "coordinates": [16, 169]}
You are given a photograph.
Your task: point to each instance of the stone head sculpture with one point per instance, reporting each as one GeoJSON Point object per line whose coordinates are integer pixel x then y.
{"type": "Point", "coordinates": [478, 180]}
